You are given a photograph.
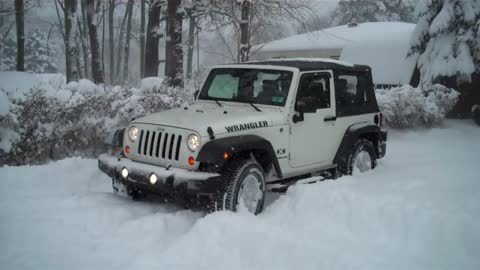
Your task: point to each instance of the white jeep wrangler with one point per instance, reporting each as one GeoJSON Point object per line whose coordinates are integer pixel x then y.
{"type": "Point", "coordinates": [254, 126]}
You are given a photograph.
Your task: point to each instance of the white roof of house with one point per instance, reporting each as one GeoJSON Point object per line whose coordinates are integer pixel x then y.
{"type": "Point", "coordinates": [381, 45]}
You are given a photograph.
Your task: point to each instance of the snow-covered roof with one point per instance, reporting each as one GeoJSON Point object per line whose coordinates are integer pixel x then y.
{"type": "Point", "coordinates": [307, 59]}
{"type": "Point", "coordinates": [381, 45]}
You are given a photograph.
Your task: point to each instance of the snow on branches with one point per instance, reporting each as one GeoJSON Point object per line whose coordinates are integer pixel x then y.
{"type": "Point", "coordinates": [447, 39]}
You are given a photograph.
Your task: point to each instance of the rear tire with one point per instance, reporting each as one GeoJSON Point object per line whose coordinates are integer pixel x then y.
{"type": "Point", "coordinates": [242, 183]}
{"type": "Point", "coordinates": [476, 114]}
{"type": "Point", "coordinates": [362, 157]}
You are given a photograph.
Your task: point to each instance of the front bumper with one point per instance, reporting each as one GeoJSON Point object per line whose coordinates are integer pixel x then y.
{"type": "Point", "coordinates": [170, 180]}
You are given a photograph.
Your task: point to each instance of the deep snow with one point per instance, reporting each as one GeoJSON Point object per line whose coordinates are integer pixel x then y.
{"type": "Point", "coordinates": [420, 209]}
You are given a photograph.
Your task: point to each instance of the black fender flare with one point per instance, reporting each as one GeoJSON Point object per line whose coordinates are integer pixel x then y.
{"type": "Point", "coordinates": [353, 133]}
{"type": "Point", "coordinates": [213, 151]}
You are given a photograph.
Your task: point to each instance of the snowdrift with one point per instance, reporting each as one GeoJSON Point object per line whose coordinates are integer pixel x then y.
{"type": "Point", "coordinates": [418, 210]}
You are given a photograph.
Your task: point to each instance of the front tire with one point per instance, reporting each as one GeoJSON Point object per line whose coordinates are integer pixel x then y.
{"type": "Point", "coordinates": [242, 185]}
{"type": "Point", "coordinates": [361, 158]}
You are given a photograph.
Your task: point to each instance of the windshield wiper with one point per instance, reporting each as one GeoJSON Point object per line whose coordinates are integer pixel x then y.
{"type": "Point", "coordinates": [255, 107]}
{"type": "Point", "coordinates": [219, 104]}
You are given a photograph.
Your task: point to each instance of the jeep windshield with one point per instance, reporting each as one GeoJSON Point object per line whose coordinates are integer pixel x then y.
{"type": "Point", "coordinates": [254, 86]}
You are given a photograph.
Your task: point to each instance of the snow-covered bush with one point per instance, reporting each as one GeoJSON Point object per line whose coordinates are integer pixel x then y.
{"type": "Point", "coordinates": [407, 106]}
{"type": "Point", "coordinates": [77, 119]}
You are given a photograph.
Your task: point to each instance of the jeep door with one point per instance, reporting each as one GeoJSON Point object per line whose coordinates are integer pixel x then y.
{"type": "Point", "coordinates": [313, 123]}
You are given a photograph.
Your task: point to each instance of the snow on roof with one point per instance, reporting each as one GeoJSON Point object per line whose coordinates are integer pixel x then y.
{"type": "Point", "coordinates": [340, 36]}
{"type": "Point", "coordinates": [381, 45]}
{"type": "Point", "coordinates": [304, 59]}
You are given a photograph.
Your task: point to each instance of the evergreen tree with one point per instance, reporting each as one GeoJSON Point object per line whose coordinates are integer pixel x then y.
{"type": "Point", "coordinates": [40, 54]}
{"type": "Point", "coordinates": [447, 39]}
{"type": "Point", "coordinates": [359, 11]}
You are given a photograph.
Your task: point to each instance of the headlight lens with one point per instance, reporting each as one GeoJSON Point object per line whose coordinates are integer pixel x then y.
{"type": "Point", "coordinates": [193, 142]}
{"type": "Point", "coordinates": [133, 134]}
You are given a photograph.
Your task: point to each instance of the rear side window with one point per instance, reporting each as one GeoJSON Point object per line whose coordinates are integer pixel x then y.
{"type": "Point", "coordinates": [354, 94]}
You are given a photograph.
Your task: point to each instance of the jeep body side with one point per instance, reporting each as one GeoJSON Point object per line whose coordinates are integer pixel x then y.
{"type": "Point", "coordinates": [255, 124]}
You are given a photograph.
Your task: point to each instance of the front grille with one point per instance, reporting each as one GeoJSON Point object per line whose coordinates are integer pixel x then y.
{"type": "Point", "coordinates": [162, 145]}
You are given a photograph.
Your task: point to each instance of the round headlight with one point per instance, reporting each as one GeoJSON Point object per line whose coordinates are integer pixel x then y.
{"type": "Point", "coordinates": [193, 142]}
{"type": "Point", "coordinates": [133, 134]}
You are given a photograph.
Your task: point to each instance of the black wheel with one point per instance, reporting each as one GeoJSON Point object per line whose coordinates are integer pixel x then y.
{"type": "Point", "coordinates": [242, 185]}
{"type": "Point", "coordinates": [361, 158]}
{"type": "Point", "coordinates": [476, 114]}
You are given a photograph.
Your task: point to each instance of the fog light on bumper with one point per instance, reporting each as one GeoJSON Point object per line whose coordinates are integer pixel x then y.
{"type": "Point", "coordinates": [124, 173]}
{"type": "Point", "coordinates": [153, 179]}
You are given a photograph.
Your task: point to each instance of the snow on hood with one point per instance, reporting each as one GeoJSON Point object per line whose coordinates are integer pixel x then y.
{"type": "Point", "coordinates": [201, 116]}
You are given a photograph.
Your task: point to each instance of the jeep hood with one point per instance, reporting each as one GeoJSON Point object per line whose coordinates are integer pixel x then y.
{"type": "Point", "coordinates": [199, 117]}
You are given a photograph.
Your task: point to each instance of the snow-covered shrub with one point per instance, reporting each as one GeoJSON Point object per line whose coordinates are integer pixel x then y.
{"type": "Point", "coordinates": [77, 119]}
{"type": "Point", "coordinates": [407, 106]}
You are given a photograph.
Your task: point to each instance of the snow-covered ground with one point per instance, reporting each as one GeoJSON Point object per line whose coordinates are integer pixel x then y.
{"type": "Point", "coordinates": [419, 210]}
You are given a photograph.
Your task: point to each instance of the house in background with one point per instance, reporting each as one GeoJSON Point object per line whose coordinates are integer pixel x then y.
{"type": "Point", "coordinates": [381, 45]}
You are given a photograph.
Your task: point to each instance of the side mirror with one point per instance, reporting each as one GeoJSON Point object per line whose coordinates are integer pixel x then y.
{"type": "Point", "coordinates": [195, 94]}
{"type": "Point", "coordinates": [302, 106]}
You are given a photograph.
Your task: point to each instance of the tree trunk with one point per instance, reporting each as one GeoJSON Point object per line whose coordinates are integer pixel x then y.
{"type": "Point", "coordinates": [97, 70]}
{"type": "Point", "coordinates": [142, 38]}
{"type": "Point", "coordinates": [111, 11]}
{"type": "Point", "coordinates": [127, 40]}
{"type": "Point", "coordinates": [20, 23]}
{"type": "Point", "coordinates": [103, 41]}
{"type": "Point", "coordinates": [71, 52]}
{"type": "Point", "coordinates": [151, 46]}
{"type": "Point", "coordinates": [174, 47]}
{"type": "Point", "coordinates": [119, 47]}
{"type": "Point", "coordinates": [245, 31]}
{"type": "Point", "coordinates": [191, 42]}
{"type": "Point", "coordinates": [83, 42]}
{"type": "Point", "coordinates": [83, 31]}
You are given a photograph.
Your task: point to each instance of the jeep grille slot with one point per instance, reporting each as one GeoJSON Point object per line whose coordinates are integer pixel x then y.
{"type": "Point", "coordinates": [165, 139]}
{"type": "Point", "coordinates": [161, 145]}
{"type": "Point", "coordinates": [140, 143]}
{"type": "Point", "coordinates": [177, 152]}
{"type": "Point", "coordinates": [158, 144]}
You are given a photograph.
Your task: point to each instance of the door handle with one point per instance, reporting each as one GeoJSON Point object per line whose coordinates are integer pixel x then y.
{"type": "Point", "coordinates": [330, 118]}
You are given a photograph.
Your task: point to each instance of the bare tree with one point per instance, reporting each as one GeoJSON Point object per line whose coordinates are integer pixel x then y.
{"type": "Point", "coordinates": [111, 40]}
{"type": "Point", "coordinates": [127, 39]}
{"type": "Point", "coordinates": [190, 43]}
{"type": "Point", "coordinates": [120, 41]}
{"type": "Point", "coordinates": [174, 46]}
{"type": "Point", "coordinates": [245, 30]}
{"type": "Point", "coordinates": [252, 20]}
{"type": "Point", "coordinates": [153, 36]}
{"type": "Point", "coordinates": [20, 23]}
{"type": "Point", "coordinates": [142, 38]}
{"type": "Point", "coordinates": [97, 70]}
{"type": "Point", "coordinates": [71, 50]}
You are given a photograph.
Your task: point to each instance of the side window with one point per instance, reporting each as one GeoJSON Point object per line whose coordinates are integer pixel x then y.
{"type": "Point", "coordinates": [314, 89]}
{"type": "Point", "coordinates": [346, 90]}
{"type": "Point", "coordinates": [224, 86]}
{"type": "Point", "coordinates": [352, 95]}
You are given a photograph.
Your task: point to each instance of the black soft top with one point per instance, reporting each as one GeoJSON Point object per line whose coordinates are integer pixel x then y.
{"type": "Point", "coordinates": [313, 64]}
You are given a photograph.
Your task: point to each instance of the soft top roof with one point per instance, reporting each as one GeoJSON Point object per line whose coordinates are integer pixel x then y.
{"type": "Point", "coordinates": [310, 64]}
